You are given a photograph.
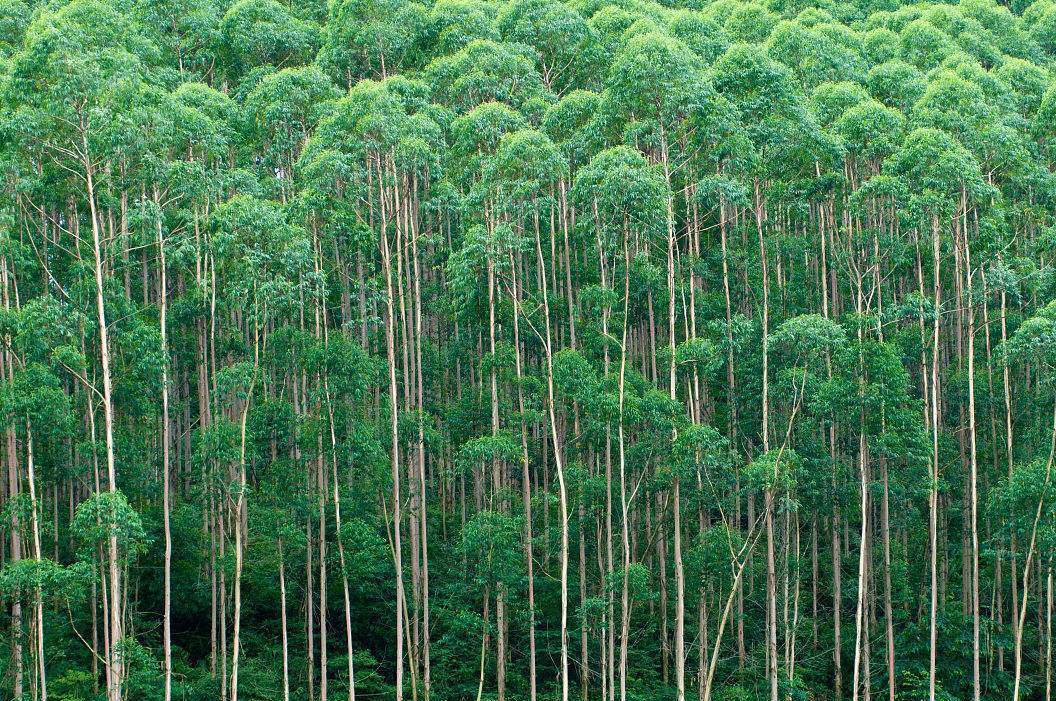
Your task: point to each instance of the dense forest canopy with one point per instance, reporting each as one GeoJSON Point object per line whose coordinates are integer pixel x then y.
{"type": "Point", "coordinates": [527, 349]}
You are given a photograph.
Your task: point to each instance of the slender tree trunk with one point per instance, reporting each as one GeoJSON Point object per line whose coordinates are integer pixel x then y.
{"type": "Point", "coordinates": [38, 603]}
{"type": "Point", "coordinates": [625, 607]}
{"type": "Point", "coordinates": [861, 631]}
{"type": "Point", "coordinates": [1048, 633]}
{"type": "Point", "coordinates": [680, 578]}
{"type": "Point", "coordinates": [285, 634]}
{"type": "Point", "coordinates": [500, 594]}
{"type": "Point", "coordinates": [166, 441]}
{"type": "Point", "coordinates": [114, 691]}
{"type": "Point", "coordinates": [771, 573]}
{"type": "Point", "coordinates": [423, 520]}
{"type": "Point", "coordinates": [933, 531]}
{"type": "Point", "coordinates": [837, 563]}
{"type": "Point", "coordinates": [349, 653]}
{"type": "Point", "coordinates": [559, 465]}
{"type": "Point", "coordinates": [976, 678]}
{"type": "Point", "coordinates": [526, 486]}
{"type": "Point", "coordinates": [739, 563]}
{"type": "Point", "coordinates": [240, 518]}
{"type": "Point", "coordinates": [15, 553]}
{"type": "Point", "coordinates": [390, 348]}
{"type": "Point", "coordinates": [322, 323]}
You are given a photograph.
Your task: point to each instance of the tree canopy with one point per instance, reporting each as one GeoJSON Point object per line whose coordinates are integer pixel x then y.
{"type": "Point", "coordinates": [620, 350]}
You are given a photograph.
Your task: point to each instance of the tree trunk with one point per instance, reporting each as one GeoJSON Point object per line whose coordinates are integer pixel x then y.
{"type": "Point", "coordinates": [559, 465]}
{"type": "Point", "coordinates": [390, 348]}
{"type": "Point", "coordinates": [771, 573]}
{"type": "Point", "coordinates": [165, 447]}
{"type": "Point", "coordinates": [934, 490]}
{"type": "Point", "coordinates": [114, 690]}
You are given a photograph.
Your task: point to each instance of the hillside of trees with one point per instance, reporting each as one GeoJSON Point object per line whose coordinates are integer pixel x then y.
{"type": "Point", "coordinates": [527, 350]}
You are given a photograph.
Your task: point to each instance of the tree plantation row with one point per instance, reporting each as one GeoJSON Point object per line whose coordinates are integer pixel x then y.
{"type": "Point", "coordinates": [533, 350]}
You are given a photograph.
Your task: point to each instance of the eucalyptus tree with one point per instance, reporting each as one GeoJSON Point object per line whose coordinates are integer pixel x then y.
{"type": "Point", "coordinates": [283, 108]}
{"type": "Point", "coordinates": [454, 23]}
{"type": "Point", "coordinates": [36, 407]}
{"type": "Point", "coordinates": [561, 38]}
{"type": "Point", "coordinates": [806, 342]}
{"type": "Point", "coordinates": [255, 33]}
{"type": "Point", "coordinates": [372, 39]}
{"type": "Point", "coordinates": [483, 71]}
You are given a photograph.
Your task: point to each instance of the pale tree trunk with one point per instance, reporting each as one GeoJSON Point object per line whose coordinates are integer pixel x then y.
{"type": "Point", "coordinates": [483, 645]}
{"type": "Point", "coordinates": [680, 578]}
{"type": "Point", "coordinates": [39, 598]}
{"type": "Point", "coordinates": [165, 443]}
{"type": "Point", "coordinates": [404, 231]}
{"type": "Point", "coordinates": [15, 553]}
{"type": "Point", "coordinates": [1048, 633]}
{"type": "Point", "coordinates": [976, 678]}
{"type": "Point", "coordinates": [885, 503]}
{"type": "Point", "coordinates": [526, 486]}
{"type": "Point", "coordinates": [323, 329]}
{"type": "Point", "coordinates": [771, 573]}
{"type": "Point", "coordinates": [625, 609]}
{"type": "Point", "coordinates": [341, 551]}
{"type": "Point", "coordinates": [423, 521]}
{"type": "Point", "coordinates": [1006, 381]}
{"type": "Point", "coordinates": [738, 563]}
{"type": "Point", "coordinates": [609, 642]}
{"type": "Point", "coordinates": [322, 481]}
{"type": "Point", "coordinates": [559, 466]}
{"type": "Point", "coordinates": [933, 516]}
{"type": "Point", "coordinates": [390, 348]}
{"type": "Point", "coordinates": [888, 609]}
{"type": "Point", "coordinates": [860, 613]}
{"type": "Point", "coordinates": [15, 556]}
{"type": "Point", "coordinates": [299, 380]}
{"type": "Point", "coordinates": [998, 602]}
{"type": "Point", "coordinates": [790, 653]}
{"type": "Point", "coordinates": [240, 518]}
{"type": "Point", "coordinates": [837, 592]}
{"type": "Point", "coordinates": [114, 690]}
{"type": "Point", "coordinates": [285, 632]}
{"type": "Point", "coordinates": [496, 469]}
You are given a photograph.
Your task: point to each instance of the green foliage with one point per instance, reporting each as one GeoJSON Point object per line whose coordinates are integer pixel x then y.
{"type": "Point", "coordinates": [25, 580]}
{"type": "Point", "coordinates": [107, 516]}
{"type": "Point", "coordinates": [483, 264]}
{"type": "Point", "coordinates": [256, 32]}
